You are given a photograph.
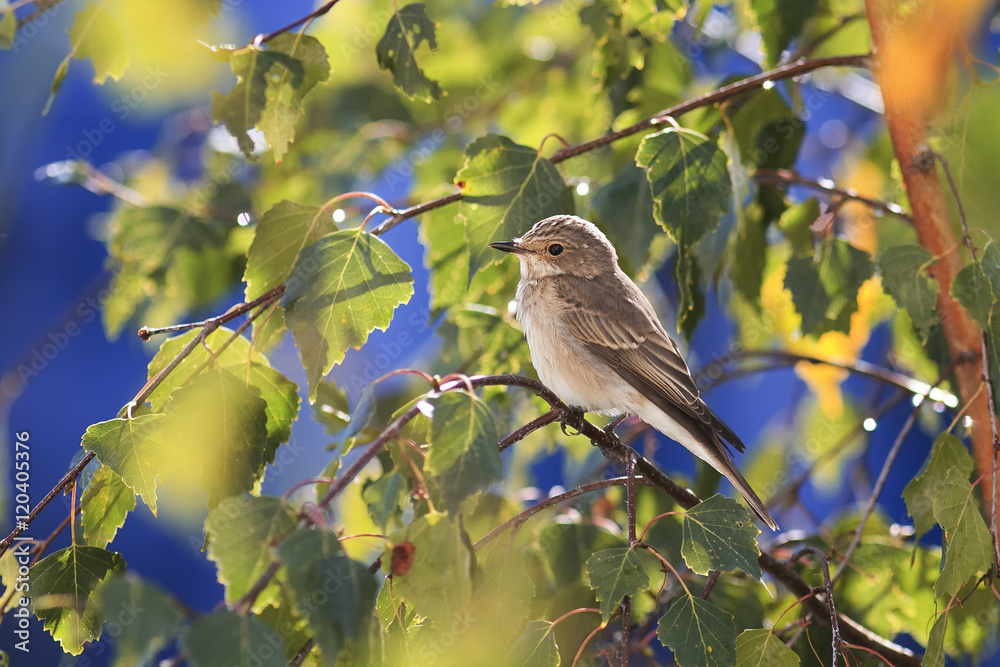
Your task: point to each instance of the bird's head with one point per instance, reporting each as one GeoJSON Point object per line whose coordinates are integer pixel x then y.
{"type": "Point", "coordinates": [562, 244]}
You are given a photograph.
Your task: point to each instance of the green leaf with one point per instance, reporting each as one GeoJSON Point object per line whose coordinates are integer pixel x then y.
{"type": "Point", "coordinates": [977, 285]}
{"type": "Point", "coordinates": [536, 647]}
{"type": "Point", "coordinates": [8, 30]}
{"type": "Point", "coordinates": [218, 423]}
{"type": "Point", "coordinates": [482, 334]}
{"type": "Point", "coordinates": [825, 291]}
{"type": "Point", "coordinates": [934, 654]}
{"type": "Point", "coordinates": [463, 457]}
{"type": "Point", "coordinates": [625, 206]}
{"type": "Point", "coordinates": [691, 308]}
{"type": "Point", "coordinates": [105, 503]}
{"type": "Point", "coordinates": [780, 22]}
{"type": "Point", "coordinates": [407, 29]}
{"type": "Point", "coordinates": [795, 224]}
{"type": "Point", "coordinates": [270, 86]}
{"type": "Point", "coordinates": [905, 279]}
{"type": "Point", "coordinates": [229, 638]}
{"type": "Point", "coordinates": [162, 248]}
{"type": "Point", "coordinates": [131, 448]}
{"type": "Point", "coordinates": [947, 452]}
{"type": "Point", "coordinates": [283, 231]}
{"type": "Point", "coordinates": [503, 601]}
{"type": "Point", "coordinates": [762, 648]}
{"type": "Point", "coordinates": [613, 574]}
{"type": "Point", "coordinates": [720, 535]}
{"type": "Point", "coordinates": [334, 593]}
{"type": "Point", "coordinates": [438, 584]}
{"type": "Point", "coordinates": [699, 633]}
{"type": "Point", "coordinates": [95, 34]}
{"type": "Point", "coordinates": [384, 498]}
{"type": "Point", "coordinates": [143, 619]}
{"type": "Point", "coordinates": [341, 289]}
{"type": "Point", "coordinates": [331, 408]}
{"type": "Point", "coordinates": [447, 257]}
{"type": "Point", "coordinates": [689, 179]}
{"type": "Point", "coordinates": [506, 189]}
{"type": "Point", "coordinates": [241, 532]}
{"type": "Point", "coordinates": [63, 593]}
{"type": "Point", "coordinates": [968, 545]}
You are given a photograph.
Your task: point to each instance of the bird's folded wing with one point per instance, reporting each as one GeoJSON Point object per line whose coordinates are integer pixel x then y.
{"type": "Point", "coordinates": [635, 345]}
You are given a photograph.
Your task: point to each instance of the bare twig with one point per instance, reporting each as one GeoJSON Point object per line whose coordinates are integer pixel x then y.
{"type": "Point", "coordinates": [323, 9]}
{"type": "Point", "coordinates": [786, 177]}
{"type": "Point", "coordinates": [303, 653]}
{"type": "Point", "coordinates": [828, 587]}
{"type": "Point", "coordinates": [530, 427]}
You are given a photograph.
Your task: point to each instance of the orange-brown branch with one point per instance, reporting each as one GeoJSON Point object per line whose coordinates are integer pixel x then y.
{"type": "Point", "coordinates": [911, 58]}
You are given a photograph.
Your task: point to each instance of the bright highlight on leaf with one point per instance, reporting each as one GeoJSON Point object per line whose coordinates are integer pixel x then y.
{"type": "Point", "coordinates": [271, 84]}
{"type": "Point", "coordinates": [407, 28]}
{"type": "Point", "coordinates": [342, 288]}
{"type": "Point", "coordinates": [131, 448]}
{"type": "Point", "coordinates": [105, 504]}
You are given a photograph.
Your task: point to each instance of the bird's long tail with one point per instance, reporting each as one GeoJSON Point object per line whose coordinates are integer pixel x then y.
{"type": "Point", "coordinates": [741, 484]}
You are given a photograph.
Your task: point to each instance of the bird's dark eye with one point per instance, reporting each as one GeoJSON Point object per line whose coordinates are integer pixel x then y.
{"type": "Point", "coordinates": [555, 249]}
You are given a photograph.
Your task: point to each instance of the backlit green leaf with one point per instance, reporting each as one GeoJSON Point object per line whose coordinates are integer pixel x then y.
{"type": "Point", "coordinates": [506, 189]}
{"type": "Point", "coordinates": [934, 654]}
{"type": "Point", "coordinates": [825, 290]}
{"type": "Point", "coordinates": [242, 530]}
{"type": "Point", "coordinates": [341, 289]}
{"type": "Point", "coordinates": [63, 593]}
{"type": "Point", "coordinates": [968, 545]}
{"type": "Point", "coordinates": [613, 574]}
{"type": "Point", "coordinates": [270, 85]}
{"type": "Point", "coordinates": [463, 457]}
{"type": "Point", "coordinates": [283, 231]}
{"type": "Point", "coordinates": [229, 638]}
{"type": "Point", "coordinates": [143, 618]}
{"type": "Point", "coordinates": [8, 29]}
{"type": "Point", "coordinates": [689, 179]}
{"type": "Point", "coordinates": [720, 535]}
{"type": "Point", "coordinates": [407, 29]}
{"type": "Point", "coordinates": [699, 633]}
{"type": "Point", "coordinates": [130, 447]}
{"type": "Point", "coordinates": [95, 34]}
{"type": "Point", "coordinates": [438, 583]}
{"type": "Point", "coordinates": [780, 22]}
{"type": "Point", "coordinates": [947, 452]}
{"type": "Point", "coordinates": [105, 503]}
{"type": "Point", "coordinates": [217, 423]}
{"type": "Point", "coordinates": [763, 648]}
{"type": "Point", "coordinates": [536, 647]}
{"type": "Point", "coordinates": [904, 278]}
{"type": "Point", "coordinates": [339, 617]}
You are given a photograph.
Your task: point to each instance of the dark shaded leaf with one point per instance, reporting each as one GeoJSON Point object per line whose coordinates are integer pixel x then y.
{"type": "Point", "coordinates": [613, 574]}
{"type": "Point", "coordinates": [407, 29]}
{"type": "Point", "coordinates": [947, 452]}
{"type": "Point", "coordinates": [141, 619]}
{"type": "Point", "coordinates": [229, 638]}
{"type": "Point", "coordinates": [699, 633]}
{"type": "Point", "coordinates": [905, 279]}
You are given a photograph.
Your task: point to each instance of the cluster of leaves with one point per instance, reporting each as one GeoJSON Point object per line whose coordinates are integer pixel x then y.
{"type": "Point", "coordinates": [442, 588]}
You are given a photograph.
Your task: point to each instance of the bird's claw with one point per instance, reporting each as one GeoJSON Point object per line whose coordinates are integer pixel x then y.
{"type": "Point", "coordinates": [574, 420]}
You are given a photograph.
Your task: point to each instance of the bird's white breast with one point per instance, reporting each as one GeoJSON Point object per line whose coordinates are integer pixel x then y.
{"type": "Point", "coordinates": [563, 365]}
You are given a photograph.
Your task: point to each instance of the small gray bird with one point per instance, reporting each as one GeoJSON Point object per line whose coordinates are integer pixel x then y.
{"type": "Point", "coordinates": [596, 342]}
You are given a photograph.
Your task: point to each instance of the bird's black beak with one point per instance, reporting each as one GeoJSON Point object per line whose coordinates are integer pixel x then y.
{"type": "Point", "coordinates": [507, 246]}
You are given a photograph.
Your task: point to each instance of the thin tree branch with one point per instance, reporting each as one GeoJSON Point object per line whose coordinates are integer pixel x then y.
{"type": "Point", "coordinates": [828, 586]}
{"type": "Point", "coordinates": [323, 9]}
{"type": "Point", "coordinates": [530, 427]}
{"type": "Point", "coordinates": [786, 177]}
{"type": "Point", "coordinates": [724, 93]}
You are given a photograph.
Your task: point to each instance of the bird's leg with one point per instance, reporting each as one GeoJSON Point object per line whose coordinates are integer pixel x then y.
{"type": "Point", "coordinates": [574, 420]}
